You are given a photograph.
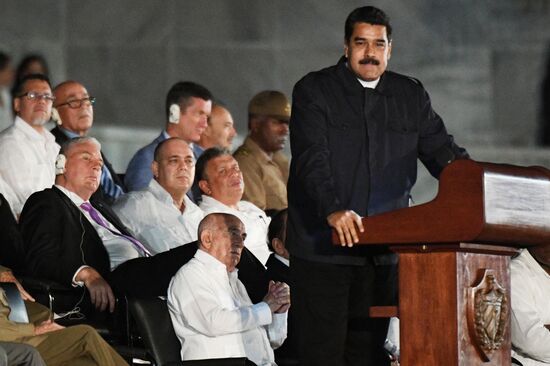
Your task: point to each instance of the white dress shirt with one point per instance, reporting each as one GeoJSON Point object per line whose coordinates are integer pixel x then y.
{"type": "Point", "coordinates": [530, 311]}
{"type": "Point", "coordinates": [119, 249]}
{"type": "Point", "coordinates": [27, 162]}
{"type": "Point", "coordinates": [255, 221]}
{"type": "Point", "coordinates": [213, 316]}
{"type": "Point", "coordinates": [7, 192]}
{"type": "Point", "coordinates": [153, 218]}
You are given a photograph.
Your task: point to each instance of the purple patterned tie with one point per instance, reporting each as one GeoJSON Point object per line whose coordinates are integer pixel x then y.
{"type": "Point", "coordinates": [86, 206]}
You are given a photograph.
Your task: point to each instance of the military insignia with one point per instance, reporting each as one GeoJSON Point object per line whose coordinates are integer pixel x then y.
{"type": "Point", "coordinates": [487, 314]}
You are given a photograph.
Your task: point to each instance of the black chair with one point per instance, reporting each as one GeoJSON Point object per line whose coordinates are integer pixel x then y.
{"type": "Point", "coordinates": [153, 323]}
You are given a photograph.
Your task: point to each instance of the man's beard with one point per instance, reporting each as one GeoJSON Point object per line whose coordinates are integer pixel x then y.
{"type": "Point", "coordinates": [39, 121]}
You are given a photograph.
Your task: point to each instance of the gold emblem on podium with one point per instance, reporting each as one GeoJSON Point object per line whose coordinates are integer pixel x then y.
{"type": "Point", "coordinates": [487, 314]}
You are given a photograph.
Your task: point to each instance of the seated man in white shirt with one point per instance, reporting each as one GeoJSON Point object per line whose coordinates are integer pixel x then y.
{"type": "Point", "coordinates": [530, 276]}
{"type": "Point", "coordinates": [161, 216]}
{"type": "Point", "coordinates": [27, 149]}
{"type": "Point", "coordinates": [212, 314]}
{"type": "Point", "coordinates": [222, 184]}
{"type": "Point", "coordinates": [70, 239]}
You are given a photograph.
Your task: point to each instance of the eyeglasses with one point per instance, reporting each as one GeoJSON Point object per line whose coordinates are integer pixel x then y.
{"type": "Point", "coordinates": [38, 96]}
{"type": "Point", "coordinates": [77, 103]}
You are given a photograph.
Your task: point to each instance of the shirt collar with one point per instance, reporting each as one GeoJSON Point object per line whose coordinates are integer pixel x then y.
{"type": "Point", "coordinates": [159, 192]}
{"type": "Point", "coordinates": [255, 148]}
{"type": "Point", "coordinates": [208, 201]}
{"type": "Point", "coordinates": [211, 261]}
{"type": "Point", "coordinates": [282, 259]}
{"type": "Point", "coordinates": [75, 198]}
{"type": "Point", "coordinates": [369, 84]}
{"type": "Point", "coordinates": [69, 134]}
{"type": "Point", "coordinates": [30, 132]}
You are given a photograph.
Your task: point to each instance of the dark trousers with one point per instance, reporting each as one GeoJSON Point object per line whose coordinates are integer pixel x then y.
{"type": "Point", "coordinates": [330, 304]}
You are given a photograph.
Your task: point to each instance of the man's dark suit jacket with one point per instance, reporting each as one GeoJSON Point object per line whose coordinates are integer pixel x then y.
{"type": "Point", "coordinates": [58, 239]}
{"type": "Point", "coordinates": [98, 195]}
{"type": "Point", "coordinates": [11, 247]}
{"type": "Point", "coordinates": [355, 148]}
{"type": "Point", "coordinates": [277, 270]}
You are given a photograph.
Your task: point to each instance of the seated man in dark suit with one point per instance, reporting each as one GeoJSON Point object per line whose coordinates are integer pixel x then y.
{"type": "Point", "coordinates": [71, 241]}
{"type": "Point", "coordinates": [278, 262]}
{"type": "Point", "coordinates": [278, 269]}
{"type": "Point", "coordinates": [74, 113]}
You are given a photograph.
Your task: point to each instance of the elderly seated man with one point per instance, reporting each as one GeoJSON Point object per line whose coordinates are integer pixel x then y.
{"type": "Point", "coordinates": [212, 314]}
{"type": "Point", "coordinates": [530, 276]}
{"type": "Point", "coordinates": [57, 345]}
{"type": "Point", "coordinates": [71, 240]}
{"type": "Point", "coordinates": [221, 182]}
{"type": "Point", "coordinates": [161, 216]}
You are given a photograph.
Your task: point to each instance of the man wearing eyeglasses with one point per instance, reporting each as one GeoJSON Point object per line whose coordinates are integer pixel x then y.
{"type": "Point", "coordinates": [27, 150]}
{"type": "Point", "coordinates": [74, 114]}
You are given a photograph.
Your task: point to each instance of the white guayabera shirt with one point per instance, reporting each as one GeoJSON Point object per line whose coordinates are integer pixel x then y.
{"type": "Point", "coordinates": [152, 217]}
{"type": "Point", "coordinates": [27, 162]}
{"type": "Point", "coordinates": [530, 311]}
{"type": "Point", "coordinates": [213, 316]}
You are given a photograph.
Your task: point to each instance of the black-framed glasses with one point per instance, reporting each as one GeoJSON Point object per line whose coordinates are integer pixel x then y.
{"type": "Point", "coordinates": [77, 103]}
{"type": "Point", "coordinates": [38, 96]}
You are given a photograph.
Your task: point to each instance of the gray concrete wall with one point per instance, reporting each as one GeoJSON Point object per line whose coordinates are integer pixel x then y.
{"type": "Point", "coordinates": [481, 61]}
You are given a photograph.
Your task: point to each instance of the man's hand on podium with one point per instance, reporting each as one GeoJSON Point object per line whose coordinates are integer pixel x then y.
{"type": "Point", "coordinates": [346, 223]}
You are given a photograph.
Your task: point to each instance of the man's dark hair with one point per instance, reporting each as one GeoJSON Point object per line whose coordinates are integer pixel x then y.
{"type": "Point", "coordinates": [206, 156]}
{"type": "Point", "coordinates": [24, 65]}
{"type": "Point", "coordinates": [277, 227]}
{"type": "Point", "coordinates": [182, 92]}
{"type": "Point", "coordinates": [5, 60]}
{"type": "Point", "coordinates": [19, 86]}
{"type": "Point", "coordinates": [367, 14]}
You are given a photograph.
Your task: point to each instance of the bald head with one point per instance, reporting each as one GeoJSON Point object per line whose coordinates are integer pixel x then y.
{"type": "Point", "coordinates": [74, 106]}
{"type": "Point", "coordinates": [222, 236]}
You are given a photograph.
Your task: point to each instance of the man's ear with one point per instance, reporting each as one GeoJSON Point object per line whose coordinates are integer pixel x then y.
{"type": "Point", "coordinates": [206, 239]}
{"type": "Point", "coordinates": [278, 246]}
{"type": "Point", "coordinates": [205, 187]}
{"type": "Point", "coordinates": [16, 104]}
{"type": "Point", "coordinates": [346, 49]}
{"type": "Point", "coordinates": [155, 169]}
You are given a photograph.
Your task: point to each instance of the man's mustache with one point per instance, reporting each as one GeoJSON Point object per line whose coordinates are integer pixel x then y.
{"type": "Point", "coordinates": [369, 60]}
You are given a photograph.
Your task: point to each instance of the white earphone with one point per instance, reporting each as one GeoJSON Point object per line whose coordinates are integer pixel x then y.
{"type": "Point", "coordinates": [55, 116]}
{"type": "Point", "coordinates": [174, 116]}
{"type": "Point", "coordinates": [60, 164]}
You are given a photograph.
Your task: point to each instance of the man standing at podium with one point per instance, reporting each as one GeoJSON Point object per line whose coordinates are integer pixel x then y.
{"type": "Point", "coordinates": [356, 132]}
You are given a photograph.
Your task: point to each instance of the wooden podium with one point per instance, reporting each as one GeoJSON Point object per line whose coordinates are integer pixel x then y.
{"type": "Point", "coordinates": [454, 256]}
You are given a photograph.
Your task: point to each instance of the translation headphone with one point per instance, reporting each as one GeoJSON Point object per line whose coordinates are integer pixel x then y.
{"type": "Point", "coordinates": [55, 116]}
{"type": "Point", "coordinates": [60, 164]}
{"type": "Point", "coordinates": [174, 116]}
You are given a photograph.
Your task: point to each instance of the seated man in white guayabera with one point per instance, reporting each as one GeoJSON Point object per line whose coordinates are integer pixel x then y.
{"type": "Point", "coordinates": [530, 276]}
{"type": "Point", "coordinates": [221, 181]}
{"type": "Point", "coordinates": [161, 215]}
{"type": "Point", "coordinates": [211, 311]}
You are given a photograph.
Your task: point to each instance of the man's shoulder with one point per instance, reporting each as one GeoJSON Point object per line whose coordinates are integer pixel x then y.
{"type": "Point", "coordinates": [397, 80]}
{"type": "Point", "coordinates": [323, 75]}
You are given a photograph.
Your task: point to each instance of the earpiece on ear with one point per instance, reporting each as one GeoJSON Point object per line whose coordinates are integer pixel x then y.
{"type": "Point", "coordinates": [60, 164]}
{"type": "Point", "coordinates": [55, 116]}
{"type": "Point", "coordinates": [174, 116]}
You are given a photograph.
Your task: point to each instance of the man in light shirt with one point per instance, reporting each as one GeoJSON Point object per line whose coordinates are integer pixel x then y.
{"type": "Point", "coordinates": [161, 216]}
{"type": "Point", "coordinates": [530, 276]}
{"type": "Point", "coordinates": [27, 149]}
{"type": "Point", "coordinates": [75, 241]}
{"type": "Point", "coordinates": [211, 311]}
{"type": "Point", "coordinates": [220, 130]}
{"type": "Point", "coordinates": [221, 182]}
